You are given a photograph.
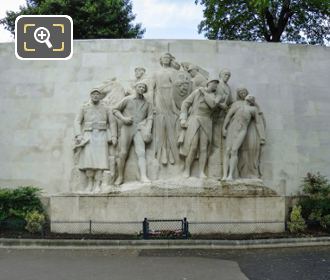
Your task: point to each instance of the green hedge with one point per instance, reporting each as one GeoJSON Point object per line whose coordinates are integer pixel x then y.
{"type": "Point", "coordinates": [17, 203]}
{"type": "Point", "coordinates": [315, 200]}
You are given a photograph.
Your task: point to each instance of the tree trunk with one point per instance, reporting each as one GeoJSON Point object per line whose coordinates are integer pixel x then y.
{"type": "Point", "coordinates": [277, 27]}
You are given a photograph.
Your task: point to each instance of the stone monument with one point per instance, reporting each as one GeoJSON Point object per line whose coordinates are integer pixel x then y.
{"type": "Point", "coordinates": [172, 121]}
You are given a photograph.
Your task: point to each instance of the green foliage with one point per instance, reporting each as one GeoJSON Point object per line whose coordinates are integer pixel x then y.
{"type": "Point", "coordinates": [16, 203]}
{"type": "Point", "coordinates": [297, 223]}
{"type": "Point", "coordinates": [315, 199]}
{"type": "Point", "coordinates": [315, 215]}
{"type": "Point", "coordinates": [34, 221]}
{"type": "Point", "coordinates": [325, 222]}
{"type": "Point", "coordinates": [91, 19]}
{"type": "Point", "coordinates": [299, 21]}
{"type": "Point", "coordinates": [316, 185]}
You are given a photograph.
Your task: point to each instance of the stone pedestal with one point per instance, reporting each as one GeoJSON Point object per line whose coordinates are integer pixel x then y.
{"type": "Point", "coordinates": [210, 207]}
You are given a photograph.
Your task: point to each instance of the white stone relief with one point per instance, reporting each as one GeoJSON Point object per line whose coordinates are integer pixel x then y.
{"type": "Point", "coordinates": [174, 118]}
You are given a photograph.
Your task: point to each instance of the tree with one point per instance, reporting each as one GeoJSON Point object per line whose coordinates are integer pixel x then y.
{"type": "Point", "coordinates": [299, 21]}
{"type": "Point", "coordinates": [91, 19]}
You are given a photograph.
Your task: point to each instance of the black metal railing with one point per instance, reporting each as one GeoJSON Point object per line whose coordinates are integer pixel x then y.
{"type": "Point", "coordinates": [146, 229]}
{"type": "Point", "coordinates": [165, 229]}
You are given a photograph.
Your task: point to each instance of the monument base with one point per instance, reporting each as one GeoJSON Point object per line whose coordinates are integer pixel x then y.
{"type": "Point", "coordinates": [210, 207]}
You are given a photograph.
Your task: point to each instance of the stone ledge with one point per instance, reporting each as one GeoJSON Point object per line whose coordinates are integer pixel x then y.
{"type": "Point", "coordinates": [224, 214]}
{"type": "Point", "coordinates": [180, 187]}
{"type": "Point", "coordinates": [162, 244]}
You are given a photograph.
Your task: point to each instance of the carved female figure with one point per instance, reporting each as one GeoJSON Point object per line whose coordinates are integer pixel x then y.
{"type": "Point", "coordinates": [248, 165]}
{"type": "Point", "coordinates": [165, 138]}
{"type": "Point", "coordinates": [238, 120]}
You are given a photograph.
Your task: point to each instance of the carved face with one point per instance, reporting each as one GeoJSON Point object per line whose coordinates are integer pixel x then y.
{"type": "Point", "coordinates": [250, 100]}
{"type": "Point", "coordinates": [175, 65]}
{"type": "Point", "coordinates": [96, 96]}
{"type": "Point", "coordinates": [139, 72]}
{"type": "Point", "coordinates": [225, 76]}
{"type": "Point", "coordinates": [212, 86]}
{"type": "Point", "coordinates": [183, 88]}
{"type": "Point", "coordinates": [166, 60]}
{"type": "Point", "coordinates": [241, 94]}
{"type": "Point", "coordinates": [141, 88]}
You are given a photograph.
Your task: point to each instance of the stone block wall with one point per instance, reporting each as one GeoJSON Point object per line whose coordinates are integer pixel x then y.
{"type": "Point", "coordinates": [39, 100]}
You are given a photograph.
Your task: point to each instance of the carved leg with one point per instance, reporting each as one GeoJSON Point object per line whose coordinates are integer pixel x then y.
{"type": "Point", "coordinates": [125, 143]}
{"type": "Point", "coordinates": [171, 156]}
{"type": "Point", "coordinates": [226, 163]}
{"type": "Point", "coordinates": [163, 153]}
{"type": "Point", "coordinates": [90, 180]}
{"type": "Point", "coordinates": [203, 147]}
{"type": "Point", "coordinates": [143, 170]}
{"type": "Point", "coordinates": [234, 153]}
{"type": "Point", "coordinates": [232, 164]}
{"type": "Point", "coordinates": [98, 180]}
{"type": "Point", "coordinates": [141, 155]}
{"type": "Point", "coordinates": [191, 156]}
{"type": "Point", "coordinates": [112, 164]}
{"type": "Point", "coordinates": [121, 166]}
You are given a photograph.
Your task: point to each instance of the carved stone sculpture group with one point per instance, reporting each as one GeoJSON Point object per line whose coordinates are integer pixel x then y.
{"type": "Point", "coordinates": [174, 112]}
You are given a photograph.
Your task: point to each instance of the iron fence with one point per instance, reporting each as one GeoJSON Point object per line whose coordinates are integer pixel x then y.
{"type": "Point", "coordinates": [235, 227]}
{"type": "Point", "coordinates": [165, 229]}
{"type": "Point", "coordinates": [146, 229]}
{"type": "Point", "coordinates": [96, 227]}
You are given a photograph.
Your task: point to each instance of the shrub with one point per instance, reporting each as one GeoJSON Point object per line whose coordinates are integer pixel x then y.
{"type": "Point", "coordinates": [16, 203]}
{"type": "Point", "coordinates": [315, 215]}
{"type": "Point", "coordinates": [34, 221]}
{"type": "Point", "coordinates": [315, 199]}
{"type": "Point", "coordinates": [315, 185]}
{"type": "Point", "coordinates": [325, 222]}
{"type": "Point", "coordinates": [297, 222]}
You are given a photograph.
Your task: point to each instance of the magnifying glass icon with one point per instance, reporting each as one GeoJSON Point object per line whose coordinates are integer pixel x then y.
{"type": "Point", "coordinates": [41, 35]}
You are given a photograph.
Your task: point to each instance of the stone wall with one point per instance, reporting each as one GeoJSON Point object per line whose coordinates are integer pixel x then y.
{"type": "Point", "coordinates": [40, 100]}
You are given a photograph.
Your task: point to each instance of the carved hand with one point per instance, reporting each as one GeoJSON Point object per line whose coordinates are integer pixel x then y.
{"type": "Point", "coordinates": [183, 123]}
{"type": "Point", "coordinates": [78, 139]}
{"type": "Point", "coordinates": [223, 106]}
{"type": "Point", "coordinates": [148, 138]}
{"type": "Point", "coordinates": [114, 141]}
{"type": "Point", "coordinates": [224, 133]}
{"type": "Point", "coordinates": [262, 141]}
{"type": "Point", "coordinates": [128, 120]}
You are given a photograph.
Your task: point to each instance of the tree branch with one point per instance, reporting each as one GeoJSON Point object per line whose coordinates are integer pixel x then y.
{"type": "Point", "coordinates": [284, 17]}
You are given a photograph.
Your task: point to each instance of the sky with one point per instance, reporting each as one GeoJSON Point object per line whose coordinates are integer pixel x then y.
{"type": "Point", "coordinates": [163, 19]}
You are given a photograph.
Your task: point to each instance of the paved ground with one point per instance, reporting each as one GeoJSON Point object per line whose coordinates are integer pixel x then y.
{"type": "Point", "coordinates": [307, 263]}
